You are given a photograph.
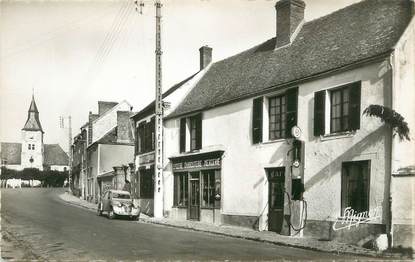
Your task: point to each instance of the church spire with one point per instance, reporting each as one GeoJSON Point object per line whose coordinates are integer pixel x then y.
{"type": "Point", "coordinates": [33, 122]}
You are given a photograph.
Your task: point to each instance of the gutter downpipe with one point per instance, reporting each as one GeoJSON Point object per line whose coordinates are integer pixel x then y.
{"type": "Point", "coordinates": [389, 230]}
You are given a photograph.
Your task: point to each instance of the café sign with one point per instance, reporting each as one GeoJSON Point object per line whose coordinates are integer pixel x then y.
{"type": "Point", "coordinates": [207, 163]}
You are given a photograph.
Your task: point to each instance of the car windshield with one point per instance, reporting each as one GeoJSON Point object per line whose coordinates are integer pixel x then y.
{"type": "Point", "coordinates": [119, 195]}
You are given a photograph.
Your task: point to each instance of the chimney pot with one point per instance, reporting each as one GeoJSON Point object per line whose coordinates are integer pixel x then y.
{"type": "Point", "coordinates": [290, 14]}
{"type": "Point", "coordinates": [205, 56]}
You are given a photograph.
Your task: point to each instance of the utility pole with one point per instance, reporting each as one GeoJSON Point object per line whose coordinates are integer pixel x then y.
{"type": "Point", "coordinates": [70, 151]}
{"type": "Point", "coordinates": [62, 125]}
{"type": "Point", "coordinates": [158, 179]}
{"type": "Point", "coordinates": [158, 162]}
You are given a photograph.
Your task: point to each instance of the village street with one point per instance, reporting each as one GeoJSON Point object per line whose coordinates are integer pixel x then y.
{"type": "Point", "coordinates": [52, 229]}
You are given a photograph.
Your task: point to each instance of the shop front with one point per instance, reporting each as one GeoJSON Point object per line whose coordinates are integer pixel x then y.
{"type": "Point", "coordinates": [197, 187]}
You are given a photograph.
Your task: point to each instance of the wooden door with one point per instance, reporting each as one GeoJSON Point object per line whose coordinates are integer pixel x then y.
{"type": "Point", "coordinates": [276, 181]}
{"type": "Point", "coordinates": [194, 197]}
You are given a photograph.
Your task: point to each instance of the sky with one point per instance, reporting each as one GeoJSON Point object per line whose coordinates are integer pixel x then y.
{"type": "Point", "coordinates": [73, 53]}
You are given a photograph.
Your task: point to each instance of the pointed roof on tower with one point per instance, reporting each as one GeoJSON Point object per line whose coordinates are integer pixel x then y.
{"type": "Point", "coordinates": [33, 122]}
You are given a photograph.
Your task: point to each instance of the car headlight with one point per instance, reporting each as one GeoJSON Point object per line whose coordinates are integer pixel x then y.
{"type": "Point", "coordinates": [116, 203]}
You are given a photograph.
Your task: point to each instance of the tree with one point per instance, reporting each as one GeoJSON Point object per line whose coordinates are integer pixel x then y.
{"type": "Point", "coordinates": [390, 117]}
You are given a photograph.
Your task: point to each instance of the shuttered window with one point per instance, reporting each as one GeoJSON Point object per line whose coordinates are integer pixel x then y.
{"type": "Point", "coordinates": [319, 112]}
{"type": "Point", "coordinates": [282, 114]}
{"type": "Point", "coordinates": [257, 120]}
{"type": "Point", "coordinates": [146, 136]}
{"type": "Point", "coordinates": [196, 132]}
{"type": "Point", "coordinates": [182, 135]}
{"type": "Point", "coordinates": [292, 101]}
{"type": "Point", "coordinates": [277, 116]}
{"type": "Point", "coordinates": [345, 108]}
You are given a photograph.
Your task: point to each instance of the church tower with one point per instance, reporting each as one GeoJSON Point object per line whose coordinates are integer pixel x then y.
{"type": "Point", "coordinates": [32, 139]}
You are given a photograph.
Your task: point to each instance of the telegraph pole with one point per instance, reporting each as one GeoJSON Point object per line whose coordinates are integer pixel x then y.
{"type": "Point", "coordinates": [158, 176]}
{"type": "Point", "coordinates": [158, 154]}
{"type": "Point", "coordinates": [70, 151]}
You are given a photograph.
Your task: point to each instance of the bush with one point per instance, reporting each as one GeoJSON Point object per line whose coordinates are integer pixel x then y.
{"type": "Point", "coordinates": [48, 178]}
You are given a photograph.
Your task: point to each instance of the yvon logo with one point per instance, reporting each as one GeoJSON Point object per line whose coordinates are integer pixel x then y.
{"type": "Point", "coordinates": [353, 218]}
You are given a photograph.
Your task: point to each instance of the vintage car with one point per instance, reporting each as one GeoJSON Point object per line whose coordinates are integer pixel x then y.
{"type": "Point", "coordinates": [118, 202]}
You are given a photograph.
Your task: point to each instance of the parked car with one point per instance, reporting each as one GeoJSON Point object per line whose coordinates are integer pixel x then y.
{"type": "Point", "coordinates": [118, 202]}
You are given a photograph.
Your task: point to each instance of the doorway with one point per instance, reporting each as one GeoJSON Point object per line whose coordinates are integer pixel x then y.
{"type": "Point", "coordinates": [194, 196]}
{"type": "Point", "coordinates": [276, 181]}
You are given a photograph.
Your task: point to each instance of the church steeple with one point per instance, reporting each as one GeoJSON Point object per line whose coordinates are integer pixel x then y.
{"type": "Point", "coordinates": [33, 122]}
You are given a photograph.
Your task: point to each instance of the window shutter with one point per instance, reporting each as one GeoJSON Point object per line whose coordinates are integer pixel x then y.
{"type": "Point", "coordinates": [319, 112]}
{"type": "Point", "coordinates": [292, 102]}
{"type": "Point", "coordinates": [182, 135]}
{"type": "Point", "coordinates": [354, 111]}
{"type": "Point", "coordinates": [199, 131]}
{"type": "Point", "coordinates": [257, 120]}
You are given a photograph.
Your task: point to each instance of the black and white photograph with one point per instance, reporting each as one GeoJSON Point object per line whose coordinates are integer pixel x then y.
{"type": "Point", "coordinates": [207, 130]}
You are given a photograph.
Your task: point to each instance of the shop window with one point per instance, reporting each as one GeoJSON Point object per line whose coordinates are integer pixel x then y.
{"type": "Point", "coordinates": [180, 190]}
{"type": "Point", "coordinates": [147, 183]}
{"type": "Point", "coordinates": [208, 186]}
{"type": "Point", "coordinates": [355, 185]}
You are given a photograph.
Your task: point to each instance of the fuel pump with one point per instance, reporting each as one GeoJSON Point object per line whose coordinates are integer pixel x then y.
{"type": "Point", "coordinates": [297, 204]}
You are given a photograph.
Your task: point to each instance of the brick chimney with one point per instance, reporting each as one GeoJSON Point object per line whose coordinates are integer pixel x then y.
{"type": "Point", "coordinates": [290, 15]}
{"type": "Point", "coordinates": [205, 56]}
{"type": "Point", "coordinates": [124, 133]}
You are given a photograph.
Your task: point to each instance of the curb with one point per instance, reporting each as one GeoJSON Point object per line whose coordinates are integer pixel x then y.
{"type": "Point", "coordinates": [369, 254]}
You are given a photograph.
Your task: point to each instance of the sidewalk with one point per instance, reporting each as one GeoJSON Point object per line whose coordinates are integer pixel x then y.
{"type": "Point", "coordinates": [250, 234]}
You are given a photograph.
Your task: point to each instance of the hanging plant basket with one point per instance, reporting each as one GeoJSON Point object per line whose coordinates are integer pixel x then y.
{"type": "Point", "coordinates": [391, 118]}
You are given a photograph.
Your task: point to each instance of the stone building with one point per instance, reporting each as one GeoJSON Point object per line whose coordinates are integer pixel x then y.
{"type": "Point", "coordinates": [31, 152]}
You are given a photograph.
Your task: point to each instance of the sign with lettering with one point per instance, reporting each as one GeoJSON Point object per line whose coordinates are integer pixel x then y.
{"type": "Point", "coordinates": [207, 163]}
{"type": "Point", "coordinates": [146, 159]}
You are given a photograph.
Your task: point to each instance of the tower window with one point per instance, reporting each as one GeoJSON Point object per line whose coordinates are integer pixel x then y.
{"type": "Point", "coordinates": [33, 146]}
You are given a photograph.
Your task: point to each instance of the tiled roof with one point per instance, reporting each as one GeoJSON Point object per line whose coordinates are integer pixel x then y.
{"type": "Point", "coordinates": [33, 122]}
{"type": "Point", "coordinates": [11, 152]}
{"type": "Point", "coordinates": [54, 155]}
{"type": "Point", "coordinates": [149, 109]}
{"type": "Point", "coordinates": [348, 36]}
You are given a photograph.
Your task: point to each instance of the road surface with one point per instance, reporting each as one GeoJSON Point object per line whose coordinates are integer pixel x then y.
{"type": "Point", "coordinates": [52, 229]}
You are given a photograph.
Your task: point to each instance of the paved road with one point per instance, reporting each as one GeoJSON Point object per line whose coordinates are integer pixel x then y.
{"type": "Point", "coordinates": [54, 230]}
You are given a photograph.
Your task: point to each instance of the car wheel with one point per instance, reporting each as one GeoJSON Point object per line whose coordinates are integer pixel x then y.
{"type": "Point", "coordinates": [111, 214]}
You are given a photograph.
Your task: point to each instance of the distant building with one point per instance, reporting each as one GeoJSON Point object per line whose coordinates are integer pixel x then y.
{"type": "Point", "coordinates": [103, 150]}
{"type": "Point", "coordinates": [32, 152]}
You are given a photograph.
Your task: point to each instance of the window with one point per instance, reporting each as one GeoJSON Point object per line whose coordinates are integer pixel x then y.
{"type": "Point", "coordinates": [146, 136]}
{"type": "Point", "coordinates": [182, 135]}
{"type": "Point", "coordinates": [257, 115]}
{"type": "Point", "coordinates": [208, 186]}
{"type": "Point", "coordinates": [282, 114]}
{"type": "Point", "coordinates": [277, 116]}
{"type": "Point", "coordinates": [180, 190]}
{"type": "Point", "coordinates": [339, 110]}
{"type": "Point", "coordinates": [29, 146]}
{"type": "Point", "coordinates": [33, 146]}
{"type": "Point", "coordinates": [344, 106]}
{"type": "Point", "coordinates": [355, 185]}
{"type": "Point", "coordinates": [195, 132]}
{"type": "Point", "coordinates": [147, 183]}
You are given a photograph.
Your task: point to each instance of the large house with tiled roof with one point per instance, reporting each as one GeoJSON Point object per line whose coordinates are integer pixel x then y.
{"type": "Point", "coordinates": [32, 152]}
{"type": "Point", "coordinates": [274, 138]}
